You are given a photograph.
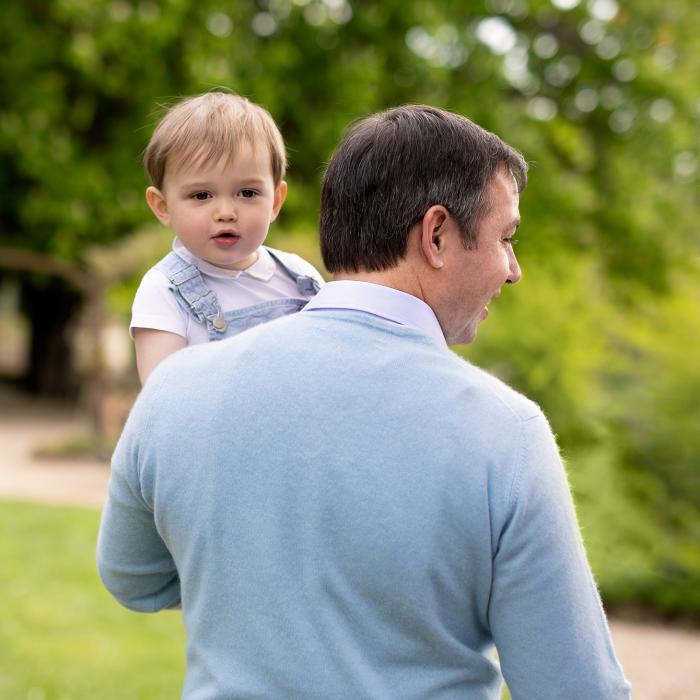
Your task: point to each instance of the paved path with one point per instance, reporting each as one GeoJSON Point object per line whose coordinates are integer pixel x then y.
{"type": "Point", "coordinates": [662, 662]}
{"type": "Point", "coordinates": [26, 425]}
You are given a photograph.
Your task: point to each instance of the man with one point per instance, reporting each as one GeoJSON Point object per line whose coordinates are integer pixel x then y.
{"type": "Point", "coordinates": [345, 508]}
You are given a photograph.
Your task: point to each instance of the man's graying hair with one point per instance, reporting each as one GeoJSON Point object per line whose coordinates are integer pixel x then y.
{"type": "Point", "coordinates": [391, 167]}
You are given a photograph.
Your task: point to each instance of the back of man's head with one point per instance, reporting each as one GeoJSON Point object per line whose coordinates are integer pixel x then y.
{"type": "Point", "coordinates": [390, 168]}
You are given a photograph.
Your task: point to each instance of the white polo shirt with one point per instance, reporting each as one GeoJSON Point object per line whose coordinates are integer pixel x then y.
{"type": "Point", "coordinates": [155, 306]}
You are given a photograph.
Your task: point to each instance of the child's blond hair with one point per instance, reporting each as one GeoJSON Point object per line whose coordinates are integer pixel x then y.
{"type": "Point", "coordinates": [204, 128]}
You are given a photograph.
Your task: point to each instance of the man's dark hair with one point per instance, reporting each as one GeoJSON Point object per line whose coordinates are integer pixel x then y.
{"type": "Point", "coordinates": [391, 167]}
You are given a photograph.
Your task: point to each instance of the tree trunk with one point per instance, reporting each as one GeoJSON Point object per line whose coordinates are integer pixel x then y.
{"type": "Point", "coordinates": [50, 305]}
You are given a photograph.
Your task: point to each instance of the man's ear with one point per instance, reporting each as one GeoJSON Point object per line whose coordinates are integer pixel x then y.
{"type": "Point", "coordinates": [278, 201]}
{"type": "Point", "coordinates": [434, 235]}
{"type": "Point", "coordinates": [158, 204]}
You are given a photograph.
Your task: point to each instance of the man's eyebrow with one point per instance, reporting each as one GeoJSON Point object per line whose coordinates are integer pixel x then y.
{"type": "Point", "coordinates": [513, 225]}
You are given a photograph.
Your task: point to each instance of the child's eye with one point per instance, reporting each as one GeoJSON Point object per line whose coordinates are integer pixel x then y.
{"type": "Point", "coordinates": [511, 241]}
{"type": "Point", "coordinates": [248, 194]}
{"type": "Point", "coordinates": [201, 196]}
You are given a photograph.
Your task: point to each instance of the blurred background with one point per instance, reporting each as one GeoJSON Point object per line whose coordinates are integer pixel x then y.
{"type": "Point", "coordinates": [601, 96]}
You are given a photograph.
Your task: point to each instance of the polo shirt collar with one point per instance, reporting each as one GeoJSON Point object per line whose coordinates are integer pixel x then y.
{"type": "Point", "coordinates": [376, 299]}
{"type": "Point", "coordinates": [262, 269]}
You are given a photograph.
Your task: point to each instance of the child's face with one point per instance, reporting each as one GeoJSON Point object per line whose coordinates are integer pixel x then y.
{"type": "Point", "coordinates": [221, 212]}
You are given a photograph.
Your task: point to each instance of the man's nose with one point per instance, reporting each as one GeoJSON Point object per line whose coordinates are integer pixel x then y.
{"type": "Point", "coordinates": [515, 273]}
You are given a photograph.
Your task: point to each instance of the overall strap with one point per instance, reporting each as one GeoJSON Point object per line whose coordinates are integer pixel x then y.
{"type": "Point", "coordinates": [191, 292]}
{"type": "Point", "coordinates": [306, 284]}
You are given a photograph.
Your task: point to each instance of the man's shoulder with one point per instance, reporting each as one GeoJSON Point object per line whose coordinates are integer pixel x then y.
{"type": "Point", "coordinates": [492, 393]}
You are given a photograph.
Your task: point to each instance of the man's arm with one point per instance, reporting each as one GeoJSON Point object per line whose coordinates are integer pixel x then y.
{"type": "Point", "coordinates": [132, 559]}
{"type": "Point", "coordinates": [545, 612]}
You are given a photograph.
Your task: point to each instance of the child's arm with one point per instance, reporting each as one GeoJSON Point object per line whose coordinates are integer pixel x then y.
{"type": "Point", "coordinates": [153, 346]}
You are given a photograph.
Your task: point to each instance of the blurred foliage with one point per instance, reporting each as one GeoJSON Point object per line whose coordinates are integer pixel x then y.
{"type": "Point", "coordinates": [601, 96]}
{"type": "Point", "coordinates": [621, 389]}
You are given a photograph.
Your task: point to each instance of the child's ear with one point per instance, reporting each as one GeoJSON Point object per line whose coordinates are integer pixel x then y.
{"type": "Point", "coordinates": [278, 201]}
{"type": "Point", "coordinates": [156, 201]}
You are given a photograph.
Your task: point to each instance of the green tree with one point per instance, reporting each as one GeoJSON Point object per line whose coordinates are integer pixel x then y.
{"type": "Point", "coordinates": [601, 96]}
{"type": "Point", "coordinates": [596, 96]}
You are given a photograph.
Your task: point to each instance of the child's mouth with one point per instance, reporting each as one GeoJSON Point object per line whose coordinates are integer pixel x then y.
{"type": "Point", "coordinates": [226, 239]}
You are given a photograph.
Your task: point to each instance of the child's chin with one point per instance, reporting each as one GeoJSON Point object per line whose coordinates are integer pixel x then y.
{"type": "Point", "coordinates": [233, 262]}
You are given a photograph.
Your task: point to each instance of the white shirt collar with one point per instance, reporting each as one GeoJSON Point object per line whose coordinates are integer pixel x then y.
{"type": "Point", "coordinates": [386, 302]}
{"type": "Point", "coordinates": [262, 269]}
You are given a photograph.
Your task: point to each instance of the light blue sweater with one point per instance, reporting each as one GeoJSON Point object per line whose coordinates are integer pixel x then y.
{"type": "Point", "coordinates": [348, 510]}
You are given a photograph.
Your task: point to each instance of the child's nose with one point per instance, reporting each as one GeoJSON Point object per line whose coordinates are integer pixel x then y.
{"type": "Point", "coordinates": [226, 211]}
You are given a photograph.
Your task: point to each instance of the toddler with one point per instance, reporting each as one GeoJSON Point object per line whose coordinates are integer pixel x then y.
{"type": "Point", "coordinates": [216, 164]}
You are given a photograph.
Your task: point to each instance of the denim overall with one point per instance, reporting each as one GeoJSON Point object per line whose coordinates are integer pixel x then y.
{"type": "Point", "coordinates": [201, 303]}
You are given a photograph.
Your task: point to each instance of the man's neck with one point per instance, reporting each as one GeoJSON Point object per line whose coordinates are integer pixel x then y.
{"type": "Point", "coordinates": [395, 278]}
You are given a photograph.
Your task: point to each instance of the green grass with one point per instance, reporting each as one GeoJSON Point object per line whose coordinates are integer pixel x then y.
{"type": "Point", "coordinates": [62, 636]}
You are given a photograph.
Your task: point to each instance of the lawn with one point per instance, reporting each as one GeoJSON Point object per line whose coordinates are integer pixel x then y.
{"type": "Point", "coordinates": [62, 637]}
